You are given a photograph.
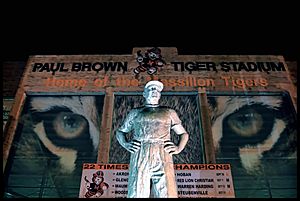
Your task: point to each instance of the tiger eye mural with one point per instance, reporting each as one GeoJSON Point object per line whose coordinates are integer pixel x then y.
{"type": "Point", "coordinates": [255, 134]}
{"type": "Point", "coordinates": [56, 135]}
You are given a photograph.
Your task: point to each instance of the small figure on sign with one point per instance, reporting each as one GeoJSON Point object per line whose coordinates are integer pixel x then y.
{"type": "Point", "coordinates": [150, 61]}
{"type": "Point", "coordinates": [97, 186]}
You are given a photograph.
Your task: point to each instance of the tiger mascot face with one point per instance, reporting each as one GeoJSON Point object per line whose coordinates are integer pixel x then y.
{"type": "Point", "coordinates": [252, 131]}
{"type": "Point", "coordinates": [98, 177]}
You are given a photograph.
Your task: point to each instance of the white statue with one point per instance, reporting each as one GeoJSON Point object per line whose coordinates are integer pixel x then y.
{"type": "Point", "coordinates": [151, 149]}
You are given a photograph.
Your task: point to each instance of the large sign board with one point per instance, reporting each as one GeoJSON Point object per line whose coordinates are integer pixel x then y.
{"type": "Point", "coordinates": [235, 101]}
{"type": "Point", "coordinates": [193, 181]}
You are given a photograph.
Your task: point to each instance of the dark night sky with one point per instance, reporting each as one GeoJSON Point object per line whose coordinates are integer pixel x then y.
{"type": "Point", "coordinates": [52, 29]}
{"type": "Point", "coordinates": [20, 47]}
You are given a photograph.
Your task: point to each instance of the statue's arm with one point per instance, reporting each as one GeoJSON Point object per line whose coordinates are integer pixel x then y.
{"type": "Point", "coordinates": [177, 127]}
{"type": "Point", "coordinates": [132, 146]}
{"type": "Point", "coordinates": [121, 138]}
{"type": "Point", "coordinates": [171, 148]}
{"type": "Point", "coordinates": [184, 137]}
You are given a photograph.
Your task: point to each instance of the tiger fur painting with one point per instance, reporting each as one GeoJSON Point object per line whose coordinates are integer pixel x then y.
{"type": "Point", "coordinates": [257, 135]}
{"type": "Point", "coordinates": [56, 135]}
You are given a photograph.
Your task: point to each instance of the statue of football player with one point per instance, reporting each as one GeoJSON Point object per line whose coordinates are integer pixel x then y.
{"type": "Point", "coordinates": [151, 149]}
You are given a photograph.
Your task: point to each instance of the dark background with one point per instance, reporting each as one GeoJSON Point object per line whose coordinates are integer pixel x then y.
{"type": "Point", "coordinates": [238, 28]}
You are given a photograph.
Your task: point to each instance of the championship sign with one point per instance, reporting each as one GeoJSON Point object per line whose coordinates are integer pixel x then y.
{"type": "Point", "coordinates": [193, 181]}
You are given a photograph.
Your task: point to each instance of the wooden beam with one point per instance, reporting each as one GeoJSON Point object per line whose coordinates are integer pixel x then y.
{"type": "Point", "coordinates": [210, 157]}
{"type": "Point", "coordinates": [106, 126]}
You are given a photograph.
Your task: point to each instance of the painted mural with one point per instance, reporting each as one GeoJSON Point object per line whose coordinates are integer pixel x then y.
{"type": "Point", "coordinates": [257, 135]}
{"type": "Point", "coordinates": [55, 136]}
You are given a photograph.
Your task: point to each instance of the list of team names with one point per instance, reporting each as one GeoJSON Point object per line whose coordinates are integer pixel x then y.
{"type": "Point", "coordinates": [208, 184]}
{"type": "Point", "coordinates": [193, 180]}
{"type": "Point", "coordinates": [120, 184]}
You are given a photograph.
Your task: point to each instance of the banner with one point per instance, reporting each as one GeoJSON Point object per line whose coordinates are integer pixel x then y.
{"type": "Point", "coordinates": [193, 181]}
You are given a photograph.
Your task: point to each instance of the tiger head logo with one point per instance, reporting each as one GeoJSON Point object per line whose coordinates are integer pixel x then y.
{"type": "Point", "coordinates": [150, 61]}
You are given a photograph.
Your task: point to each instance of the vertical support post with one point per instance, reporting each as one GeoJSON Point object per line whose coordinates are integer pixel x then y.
{"type": "Point", "coordinates": [106, 126]}
{"type": "Point", "coordinates": [206, 127]}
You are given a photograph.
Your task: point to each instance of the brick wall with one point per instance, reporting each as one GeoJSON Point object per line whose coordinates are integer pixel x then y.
{"type": "Point", "coordinates": [12, 73]}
